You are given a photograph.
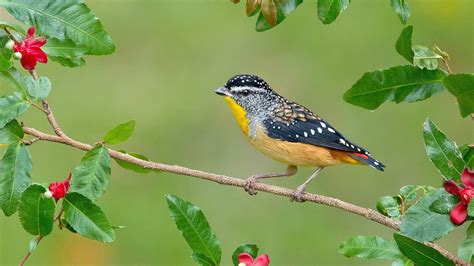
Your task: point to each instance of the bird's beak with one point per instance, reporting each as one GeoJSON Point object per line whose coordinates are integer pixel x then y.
{"type": "Point", "coordinates": [223, 91]}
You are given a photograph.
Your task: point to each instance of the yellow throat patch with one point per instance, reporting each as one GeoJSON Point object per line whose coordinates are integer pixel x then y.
{"type": "Point", "coordinates": [239, 114]}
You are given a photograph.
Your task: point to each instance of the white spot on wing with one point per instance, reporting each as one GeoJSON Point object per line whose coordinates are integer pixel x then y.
{"type": "Point", "coordinates": [312, 132]}
{"type": "Point", "coordinates": [323, 125]}
{"type": "Point", "coordinates": [305, 134]}
{"type": "Point", "coordinates": [331, 130]}
{"type": "Point", "coordinates": [320, 130]}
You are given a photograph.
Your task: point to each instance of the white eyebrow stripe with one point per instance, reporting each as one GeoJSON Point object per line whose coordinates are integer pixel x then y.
{"type": "Point", "coordinates": [239, 89]}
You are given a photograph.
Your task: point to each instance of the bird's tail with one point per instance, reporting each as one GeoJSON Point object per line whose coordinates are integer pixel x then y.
{"type": "Point", "coordinates": [368, 160]}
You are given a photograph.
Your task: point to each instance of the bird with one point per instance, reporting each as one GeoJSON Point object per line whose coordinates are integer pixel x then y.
{"type": "Point", "coordinates": [288, 132]}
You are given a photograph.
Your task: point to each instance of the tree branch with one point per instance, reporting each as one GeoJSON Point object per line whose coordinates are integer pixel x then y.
{"type": "Point", "coordinates": [370, 214]}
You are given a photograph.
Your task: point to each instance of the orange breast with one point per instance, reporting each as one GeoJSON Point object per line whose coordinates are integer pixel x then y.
{"type": "Point", "coordinates": [298, 154]}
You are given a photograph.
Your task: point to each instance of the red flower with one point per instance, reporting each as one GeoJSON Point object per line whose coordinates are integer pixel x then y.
{"type": "Point", "coordinates": [59, 190]}
{"type": "Point", "coordinates": [459, 212]}
{"type": "Point", "coordinates": [247, 260]}
{"type": "Point", "coordinates": [30, 50]}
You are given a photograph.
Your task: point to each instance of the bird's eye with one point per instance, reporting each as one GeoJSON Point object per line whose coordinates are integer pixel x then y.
{"type": "Point", "coordinates": [245, 92]}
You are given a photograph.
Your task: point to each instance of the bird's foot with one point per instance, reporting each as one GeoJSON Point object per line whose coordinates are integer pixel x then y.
{"type": "Point", "coordinates": [249, 185]}
{"type": "Point", "coordinates": [298, 194]}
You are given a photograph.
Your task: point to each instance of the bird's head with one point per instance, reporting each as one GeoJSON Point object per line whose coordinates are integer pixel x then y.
{"type": "Point", "coordinates": [250, 92]}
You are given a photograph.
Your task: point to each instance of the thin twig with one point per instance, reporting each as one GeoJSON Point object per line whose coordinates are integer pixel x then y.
{"type": "Point", "coordinates": [30, 142]}
{"type": "Point", "coordinates": [38, 107]}
{"type": "Point", "coordinates": [38, 239]}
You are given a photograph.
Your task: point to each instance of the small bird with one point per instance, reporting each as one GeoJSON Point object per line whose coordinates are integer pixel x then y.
{"type": "Point", "coordinates": [287, 132]}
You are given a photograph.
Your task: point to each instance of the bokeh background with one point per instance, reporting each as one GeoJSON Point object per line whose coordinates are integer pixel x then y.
{"type": "Point", "coordinates": [170, 56]}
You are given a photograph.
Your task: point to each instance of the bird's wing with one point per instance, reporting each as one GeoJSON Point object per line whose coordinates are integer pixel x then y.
{"type": "Point", "coordinates": [310, 131]}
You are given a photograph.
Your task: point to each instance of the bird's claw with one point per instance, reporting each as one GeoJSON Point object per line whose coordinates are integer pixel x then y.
{"type": "Point", "coordinates": [249, 185]}
{"type": "Point", "coordinates": [298, 194]}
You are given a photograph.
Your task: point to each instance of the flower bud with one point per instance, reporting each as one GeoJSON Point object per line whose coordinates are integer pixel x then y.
{"type": "Point", "coordinates": [9, 45]}
{"type": "Point", "coordinates": [48, 194]}
{"type": "Point", "coordinates": [17, 55]}
{"type": "Point", "coordinates": [242, 264]}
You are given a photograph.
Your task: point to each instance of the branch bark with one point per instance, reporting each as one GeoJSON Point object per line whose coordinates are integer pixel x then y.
{"type": "Point", "coordinates": [367, 213]}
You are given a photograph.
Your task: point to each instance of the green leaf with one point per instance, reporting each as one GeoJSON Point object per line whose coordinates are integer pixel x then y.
{"type": "Point", "coordinates": [462, 87]}
{"type": "Point", "coordinates": [442, 151]}
{"type": "Point", "coordinates": [11, 133]}
{"type": "Point", "coordinates": [424, 57]}
{"type": "Point", "coordinates": [66, 19]}
{"type": "Point", "coordinates": [38, 89]}
{"type": "Point", "coordinates": [402, 10]}
{"type": "Point", "coordinates": [86, 218]}
{"type": "Point", "coordinates": [389, 206]}
{"type": "Point", "coordinates": [192, 223]}
{"type": "Point", "coordinates": [328, 10]}
{"type": "Point", "coordinates": [466, 248]}
{"type": "Point", "coordinates": [5, 54]}
{"type": "Point", "coordinates": [13, 27]}
{"type": "Point", "coordinates": [370, 247]}
{"type": "Point", "coordinates": [65, 52]}
{"type": "Point", "coordinates": [423, 224]}
{"type": "Point", "coordinates": [202, 259]}
{"type": "Point", "coordinates": [69, 62]}
{"type": "Point", "coordinates": [12, 107]}
{"type": "Point", "coordinates": [133, 167]}
{"type": "Point", "coordinates": [408, 192]}
{"type": "Point", "coordinates": [397, 84]}
{"type": "Point", "coordinates": [120, 133]}
{"type": "Point", "coordinates": [33, 244]}
{"type": "Point", "coordinates": [470, 209]}
{"type": "Point", "coordinates": [445, 204]}
{"type": "Point", "coordinates": [284, 9]}
{"type": "Point", "coordinates": [35, 211]}
{"type": "Point", "coordinates": [15, 176]}
{"type": "Point", "coordinates": [251, 249]}
{"type": "Point", "coordinates": [419, 253]}
{"type": "Point", "coordinates": [403, 44]}
{"type": "Point", "coordinates": [14, 80]}
{"type": "Point", "coordinates": [91, 176]}
{"type": "Point", "coordinates": [468, 155]}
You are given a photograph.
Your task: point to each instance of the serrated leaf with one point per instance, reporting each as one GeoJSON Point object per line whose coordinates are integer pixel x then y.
{"type": "Point", "coordinates": [251, 249]}
{"type": "Point", "coordinates": [69, 62]}
{"type": "Point", "coordinates": [421, 223]}
{"type": "Point", "coordinates": [197, 232]}
{"type": "Point", "coordinates": [12, 107]}
{"type": "Point", "coordinates": [120, 133]}
{"type": "Point", "coordinates": [65, 19]}
{"type": "Point", "coordinates": [202, 259]}
{"type": "Point", "coordinates": [424, 57]}
{"type": "Point", "coordinates": [86, 218]}
{"type": "Point", "coordinates": [91, 176]}
{"type": "Point", "coordinates": [133, 167]}
{"type": "Point", "coordinates": [370, 247]}
{"type": "Point", "coordinates": [35, 211]}
{"type": "Point", "coordinates": [38, 89]}
{"type": "Point", "coordinates": [445, 204]}
{"type": "Point", "coordinates": [419, 253]}
{"type": "Point", "coordinates": [468, 155]}
{"type": "Point", "coordinates": [442, 151]}
{"type": "Point", "coordinates": [389, 206]}
{"type": "Point", "coordinates": [402, 9]}
{"type": "Point", "coordinates": [462, 87]}
{"type": "Point", "coordinates": [11, 133]}
{"type": "Point", "coordinates": [283, 8]}
{"type": "Point", "coordinates": [466, 248]}
{"type": "Point", "coordinates": [397, 84]}
{"type": "Point", "coordinates": [65, 52]}
{"type": "Point", "coordinates": [403, 44]}
{"type": "Point", "coordinates": [15, 176]}
{"type": "Point", "coordinates": [328, 10]}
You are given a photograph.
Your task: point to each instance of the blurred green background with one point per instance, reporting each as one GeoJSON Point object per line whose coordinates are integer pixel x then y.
{"type": "Point", "coordinates": [170, 56]}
